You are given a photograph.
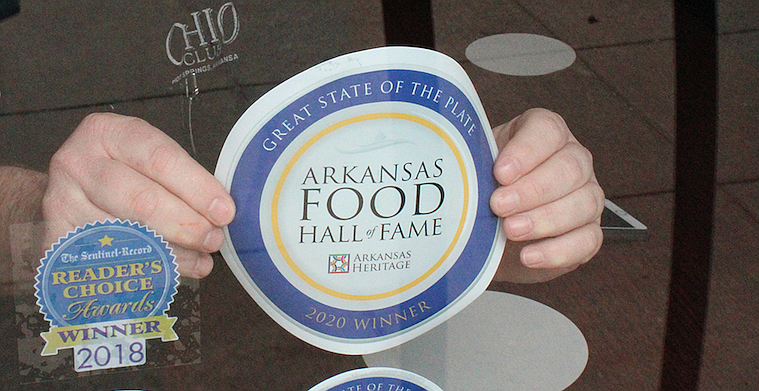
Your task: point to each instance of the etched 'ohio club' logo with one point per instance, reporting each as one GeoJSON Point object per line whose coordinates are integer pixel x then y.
{"type": "Point", "coordinates": [199, 45]}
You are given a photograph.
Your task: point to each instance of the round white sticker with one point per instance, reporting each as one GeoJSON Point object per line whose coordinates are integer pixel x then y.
{"type": "Point", "coordinates": [376, 379]}
{"type": "Point", "coordinates": [362, 190]}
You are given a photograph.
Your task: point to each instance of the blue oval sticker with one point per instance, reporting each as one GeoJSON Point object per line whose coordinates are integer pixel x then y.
{"type": "Point", "coordinates": [362, 188]}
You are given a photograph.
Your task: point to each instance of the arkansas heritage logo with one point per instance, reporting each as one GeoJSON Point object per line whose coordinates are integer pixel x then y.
{"type": "Point", "coordinates": [339, 263]}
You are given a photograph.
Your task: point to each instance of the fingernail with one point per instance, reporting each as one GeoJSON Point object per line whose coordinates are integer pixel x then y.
{"type": "Point", "coordinates": [213, 241]}
{"type": "Point", "coordinates": [508, 171]}
{"type": "Point", "coordinates": [220, 212]}
{"type": "Point", "coordinates": [197, 267]}
{"type": "Point", "coordinates": [532, 257]}
{"type": "Point", "coordinates": [203, 266]}
{"type": "Point", "coordinates": [508, 203]}
{"type": "Point", "coordinates": [518, 226]}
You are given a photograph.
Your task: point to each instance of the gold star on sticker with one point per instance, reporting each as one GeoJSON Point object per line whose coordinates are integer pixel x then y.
{"type": "Point", "coordinates": [105, 241]}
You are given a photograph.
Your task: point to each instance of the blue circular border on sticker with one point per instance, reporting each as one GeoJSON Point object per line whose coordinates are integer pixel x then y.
{"type": "Point", "coordinates": [247, 186]}
{"type": "Point", "coordinates": [106, 271]}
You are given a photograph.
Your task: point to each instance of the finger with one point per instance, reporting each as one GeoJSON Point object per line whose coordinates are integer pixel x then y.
{"type": "Point", "coordinates": [582, 206]}
{"type": "Point", "coordinates": [123, 192]}
{"type": "Point", "coordinates": [564, 172]}
{"type": "Point", "coordinates": [527, 141]}
{"type": "Point", "coordinates": [565, 251]}
{"type": "Point", "coordinates": [511, 268]}
{"type": "Point", "coordinates": [192, 264]}
{"type": "Point", "coordinates": [161, 159]}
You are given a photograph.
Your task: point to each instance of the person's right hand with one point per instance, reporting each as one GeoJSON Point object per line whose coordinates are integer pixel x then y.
{"type": "Point", "coordinates": [114, 166]}
{"type": "Point", "coordinates": [549, 198]}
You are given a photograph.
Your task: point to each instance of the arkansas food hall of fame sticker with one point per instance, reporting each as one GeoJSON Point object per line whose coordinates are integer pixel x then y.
{"type": "Point", "coordinates": [105, 290]}
{"type": "Point", "coordinates": [362, 188]}
{"type": "Point", "coordinates": [376, 379]}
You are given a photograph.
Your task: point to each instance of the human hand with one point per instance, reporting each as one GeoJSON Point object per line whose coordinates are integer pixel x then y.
{"type": "Point", "coordinates": [114, 166]}
{"type": "Point", "coordinates": [549, 197]}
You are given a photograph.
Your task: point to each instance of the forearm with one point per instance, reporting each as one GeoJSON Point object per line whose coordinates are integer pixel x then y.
{"type": "Point", "coordinates": [21, 193]}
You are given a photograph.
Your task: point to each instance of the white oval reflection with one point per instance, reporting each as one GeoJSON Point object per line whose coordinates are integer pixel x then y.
{"type": "Point", "coordinates": [499, 342]}
{"type": "Point", "coordinates": [520, 54]}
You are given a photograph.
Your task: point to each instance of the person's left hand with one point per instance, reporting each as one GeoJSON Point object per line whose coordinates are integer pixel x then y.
{"type": "Point", "coordinates": [549, 198]}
